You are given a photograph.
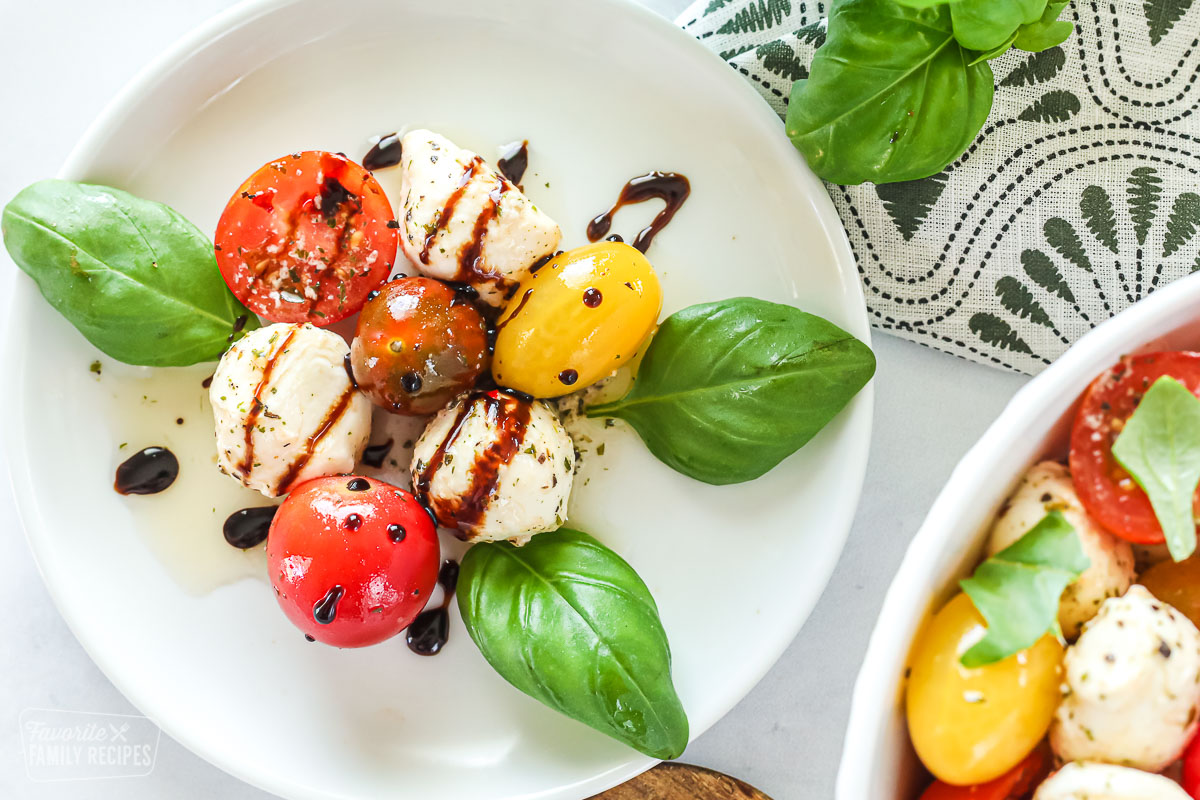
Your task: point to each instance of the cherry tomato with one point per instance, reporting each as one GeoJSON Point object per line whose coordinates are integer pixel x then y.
{"type": "Point", "coordinates": [1176, 583]}
{"type": "Point", "coordinates": [419, 343]}
{"type": "Point", "coordinates": [1108, 493]}
{"type": "Point", "coordinates": [576, 319]}
{"type": "Point", "coordinates": [972, 725]}
{"type": "Point", "coordinates": [1015, 783]}
{"type": "Point", "coordinates": [353, 560]}
{"type": "Point", "coordinates": [305, 238]}
{"type": "Point", "coordinates": [1191, 768]}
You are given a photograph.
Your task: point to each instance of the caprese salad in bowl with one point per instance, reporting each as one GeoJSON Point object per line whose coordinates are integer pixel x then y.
{"type": "Point", "coordinates": [1066, 663]}
{"type": "Point", "coordinates": [453, 304]}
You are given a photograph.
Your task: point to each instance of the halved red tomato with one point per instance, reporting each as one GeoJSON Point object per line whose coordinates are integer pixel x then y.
{"type": "Point", "coordinates": [1015, 783]}
{"type": "Point", "coordinates": [306, 238]}
{"type": "Point", "coordinates": [1107, 491]}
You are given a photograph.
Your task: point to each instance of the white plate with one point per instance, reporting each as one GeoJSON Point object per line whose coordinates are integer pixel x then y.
{"type": "Point", "coordinates": [187, 628]}
{"type": "Point", "coordinates": [878, 760]}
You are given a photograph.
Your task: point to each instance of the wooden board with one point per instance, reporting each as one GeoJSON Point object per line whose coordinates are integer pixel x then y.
{"type": "Point", "coordinates": [672, 781]}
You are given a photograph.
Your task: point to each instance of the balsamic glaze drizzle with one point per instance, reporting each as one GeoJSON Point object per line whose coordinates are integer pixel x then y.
{"type": "Point", "coordinates": [248, 527]}
{"type": "Point", "coordinates": [375, 454]}
{"type": "Point", "coordinates": [427, 634]}
{"type": "Point", "coordinates": [325, 609]}
{"type": "Point", "coordinates": [514, 160]}
{"type": "Point", "coordinates": [385, 153]}
{"type": "Point", "coordinates": [147, 471]}
{"type": "Point", "coordinates": [670, 187]}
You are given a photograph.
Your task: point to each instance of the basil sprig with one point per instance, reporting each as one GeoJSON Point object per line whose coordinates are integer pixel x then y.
{"type": "Point", "coordinates": [1018, 589]}
{"type": "Point", "coordinates": [727, 390]}
{"type": "Point", "coordinates": [901, 88]}
{"type": "Point", "coordinates": [567, 621]}
{"type": "Point", "coordinates": [138, 280]}
{"type": "Point", "coordinates": [1160, 448]}
{"type": "Point", "coordinates": [995, 25]}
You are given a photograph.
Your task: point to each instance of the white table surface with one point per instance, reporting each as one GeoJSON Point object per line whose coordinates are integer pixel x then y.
{"type": "Point", "coordinates": [62, 61]}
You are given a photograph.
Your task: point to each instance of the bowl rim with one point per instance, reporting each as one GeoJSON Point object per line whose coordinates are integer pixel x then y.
{"type": "Point", "coordinates": [160, 69]}
{"type": "Point", "coordinates": [913, 587]}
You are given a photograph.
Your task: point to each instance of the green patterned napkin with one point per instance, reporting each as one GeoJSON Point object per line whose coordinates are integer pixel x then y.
{"type": "Point", "coordinates": [1080, 196]}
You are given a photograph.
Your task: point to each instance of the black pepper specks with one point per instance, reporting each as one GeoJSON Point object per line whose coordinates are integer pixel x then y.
{"type": "Point", "coordinates": [1164, 649]}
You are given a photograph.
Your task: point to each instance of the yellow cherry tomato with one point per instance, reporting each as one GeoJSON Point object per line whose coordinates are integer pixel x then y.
{"type": "Point", "coordinates": [973, 725]}
{"type": "Point", "coordinates": [576, 319]}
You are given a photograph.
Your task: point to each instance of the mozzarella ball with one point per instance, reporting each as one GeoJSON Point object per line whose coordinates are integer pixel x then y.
{"type": "Point", "coordinates": [1047, 487]}
{"type": "Point", "coordinates": [1088, 781]}
{"type": "Point", "coordinates": [494, 466]}
{"type": "Point", "coordinates": [462, 221]}
{"type": "Point", "coordinates": [286, 410]}
{"type": "Point", "coordinates": [1132, 685]}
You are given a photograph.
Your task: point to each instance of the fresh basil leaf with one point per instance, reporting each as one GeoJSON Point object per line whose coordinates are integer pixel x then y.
{"type": "Point", "coordinates": [995, 52]}
{"type": "Point", "coordinates": [1047, 32]}
{"type": "Point", "coordinates": [891, 95]}
{"type": "Point", "coordinates": [567, 621]}
{"type": "Point", "coordinates": [138, 280]}
{"type": "Point", "coordinates": [1017, 590]}
{"type": "Point", "coordinates": [986, 24]}
{"type": "Point", "coordinates": [1160, 448]}
{"type": "Point", "coordinates": [727, 390]}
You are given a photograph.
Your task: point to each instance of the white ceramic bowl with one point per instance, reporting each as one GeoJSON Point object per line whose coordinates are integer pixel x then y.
{"type": "Point", "coordinates": [878, 761]}
{"type": "Point", "coordinates": [604, 90]}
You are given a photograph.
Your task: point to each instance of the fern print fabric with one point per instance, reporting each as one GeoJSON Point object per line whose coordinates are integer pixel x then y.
{"type": "Point", "coordinates": [1080, 196]}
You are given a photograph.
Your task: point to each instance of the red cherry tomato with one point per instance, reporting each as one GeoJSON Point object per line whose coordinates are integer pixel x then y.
{"type": "Point", "coordinates": [306, 238]}
{"type": "Point", "coordinates": [353, 560]}
{"type": "Point", "coordinates": [1108, 492]}
{"type": "Point", "coordinates": [1015, 783]}
{"type": "Point", "coordinates": [1191, 768]}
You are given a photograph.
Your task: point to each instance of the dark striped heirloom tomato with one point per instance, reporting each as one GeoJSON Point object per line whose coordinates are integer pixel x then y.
{"type": "Point", "coordinates": [419, 343]}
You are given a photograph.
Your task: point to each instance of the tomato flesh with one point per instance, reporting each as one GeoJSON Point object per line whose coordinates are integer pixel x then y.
{"type": "Point", "coordinates": [353, 560]}
{"type": "Point", "coordinates": [1107, 491]}
{"type": "Point", "coordinates": [306, 238]}
{"type": "Point", "coordinates": [1015, 783]}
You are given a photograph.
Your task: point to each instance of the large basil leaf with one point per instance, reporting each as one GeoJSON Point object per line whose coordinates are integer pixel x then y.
{"type": "Point", "coordinates": [1160, 448]}
{"type": "Point", "coordinates": [1017, 590]}
{"type": "Point", "coordinates": [138, 280]}
{"type": "Point", "coordinates": [1047, 32]}
{"type": "Point", "coordinates": [727, 390]}
{"type": "Point", "coordinates": [567, 621]}
{"type": "Point", "coordinates": [985, 25]}
{"type": "Point", "coordinates": [891, 96]}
